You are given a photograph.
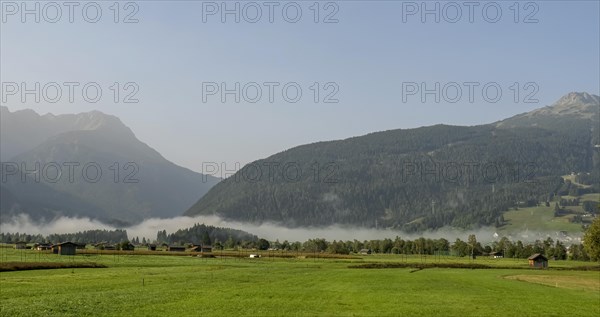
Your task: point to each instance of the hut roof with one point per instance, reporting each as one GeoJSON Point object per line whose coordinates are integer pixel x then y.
{"type": "Point", "coordinates": [537, 256]}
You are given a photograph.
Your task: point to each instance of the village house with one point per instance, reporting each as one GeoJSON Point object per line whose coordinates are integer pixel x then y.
{"type": "Point", "coordinates": [538, 260]}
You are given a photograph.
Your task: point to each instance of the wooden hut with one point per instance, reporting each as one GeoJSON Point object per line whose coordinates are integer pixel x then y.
{"type": "Point", "coordinates": [176, 248]}
{"type": "Point", "coordinates": [497, 255]}
{"type": "Point", "coordinates": [43, 247]}
{"type": "Point", "coordinates": [538, 261]}
{"type": "Point", "coordinates": [206, 249]}
{"type": "Point", "coordinates": [65, 248]}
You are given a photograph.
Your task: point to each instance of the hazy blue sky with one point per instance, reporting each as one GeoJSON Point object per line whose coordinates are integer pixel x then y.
{"type": "Point", "coordinates": [369, 53]}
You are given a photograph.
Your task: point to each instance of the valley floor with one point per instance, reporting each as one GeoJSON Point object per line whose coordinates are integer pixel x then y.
{"type": "Point", "coordinates": [151, 285]}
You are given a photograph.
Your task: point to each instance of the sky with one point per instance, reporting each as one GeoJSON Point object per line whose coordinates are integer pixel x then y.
{"type": "Point", "coordinates": [371, 62]}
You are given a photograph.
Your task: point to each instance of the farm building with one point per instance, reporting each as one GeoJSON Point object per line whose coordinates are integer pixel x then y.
{"type": "Point", "coordinates": [176, 248]}
{"type": "Point", "coordinates": [497, 255]}
{"type": "Point", "coordinates": [538, 260]}
{"type": "Point", "coordinates": [65, 248]}
{"type": "Point", "coordinates": [206, 249]}
{"type": "Point", "coordinates": [104, 246]}
{"type": "Point", "coordinates": [43, 247]}
{"type": "Point", "coordinates": [20, 245]}
{"type": "Point", "coordinates": [365, 251]}
{"type": "Point", "coordinates": [202, 248]}
{"type": "Point", "coordinates": [152, 247]}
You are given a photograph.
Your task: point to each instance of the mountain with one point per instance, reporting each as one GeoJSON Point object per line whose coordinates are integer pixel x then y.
{"type": "Point", "coordinates": [575, 114]}
{"type": "Point", "coordinates": [92, 165]}
{"type": "Point", "coordinates": [574, 110]}
{"type": "Point", "coordinates": [416, 179]}
{"type": "Point", "coordinates": [25, 129]}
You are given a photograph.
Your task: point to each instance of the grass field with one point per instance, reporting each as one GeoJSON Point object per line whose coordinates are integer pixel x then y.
{"type": "Point", "coordinates": [153, 285]}
{"type": "Point", "coordinates": [591, 197]}
{"type": "Point", "coordinates": [540, 218]}
{"type": "Point", "coordinates": [572, 178]}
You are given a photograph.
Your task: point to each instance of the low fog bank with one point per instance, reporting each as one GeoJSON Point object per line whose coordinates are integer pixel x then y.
{"type": "Point", "coordinates": [149, 227]}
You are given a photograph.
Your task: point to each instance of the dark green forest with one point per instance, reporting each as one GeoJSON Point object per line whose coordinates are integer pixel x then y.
{"type": "Point", "coordinates": [411, 180]}
{"type": "Point", "coordinates": [201, 234]}
{"type": "Point", "coordinates": [88, 236]}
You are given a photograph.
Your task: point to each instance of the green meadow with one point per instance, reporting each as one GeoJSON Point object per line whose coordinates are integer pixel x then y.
{"type": "Point", "coordinates": [157, 285]}
{"type": "Point", "coordinates": [540, 218]}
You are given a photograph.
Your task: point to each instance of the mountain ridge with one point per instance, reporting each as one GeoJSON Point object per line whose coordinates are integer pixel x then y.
{"type": "Point", "coordinates": [369, 168]}
{"type": "Point", "coordinates": [135, 181]}
{"type": "Point", "coordinates": [16, 135]}
{"type": "Point", "coordinates": [572, 106]}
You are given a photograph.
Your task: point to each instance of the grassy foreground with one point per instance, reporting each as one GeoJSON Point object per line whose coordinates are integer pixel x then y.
{"type": "Point", "coordinates": [150, 285]}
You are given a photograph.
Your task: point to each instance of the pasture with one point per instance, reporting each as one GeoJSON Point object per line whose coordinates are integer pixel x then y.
{"type": "Point", "coordinates": [540, 218]}
{"type": "Point", "coordinates": [157, 285]}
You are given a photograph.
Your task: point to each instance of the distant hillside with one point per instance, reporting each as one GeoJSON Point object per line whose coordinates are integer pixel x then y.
{"type": "Point", "coordinates": [136, 181]}
{"type": "Point", "coordinates": [23, 130]}
{"type": "Point", "coordinates": [414, 179]}
{"type": "Point", "coordinates": [572, 111]}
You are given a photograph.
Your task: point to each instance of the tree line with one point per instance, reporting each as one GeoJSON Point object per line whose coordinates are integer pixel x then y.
{"type": "Point", "coordinates": [226, 238]}
{"type": "Point", "coordinates": [206, 235]}
{"type": "Point", "coordinates": [87, 236]}
{"type": "Point", "coordinates": [554, 249]}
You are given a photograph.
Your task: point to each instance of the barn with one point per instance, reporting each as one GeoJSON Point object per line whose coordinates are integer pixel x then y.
{"type": "Point", "coordinates": [20, 245]}
{"type": "Point", "coordinates": [497, 255]}
{"type": "Point", "coordinates": [538, 260]}
{"type": "Point", "coordinates": [65, 248]}
{"type": "Point", "coordinates": [152, 247]}
{"type": "Point", "coordinates": [176, 248]}
{"type": "Point", "coordinates": [43, 247]}
{"type": "Point", "coordinates": [206, 249]}
{"type": "Point", "coordinates": [202, 248]}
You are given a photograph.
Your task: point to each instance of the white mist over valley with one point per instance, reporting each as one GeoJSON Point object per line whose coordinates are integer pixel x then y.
{"type": "Point", "coordinates": [149, 228]}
